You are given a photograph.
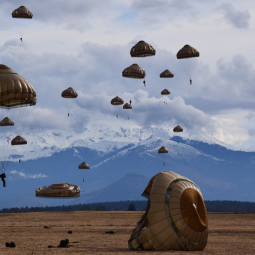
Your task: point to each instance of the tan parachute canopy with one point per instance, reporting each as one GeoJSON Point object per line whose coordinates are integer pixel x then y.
{"type": "Point", "coordinates": [178, 129]}
{"type": "Point", "coordinates": [165, 92]}
{"type": "Point", "coordinates": [6, 122]}
{"type": "Point", "coordinates": [163, 149]}
{"type": "Point", "coordinates": [134, 71]}
{"type": "Point", "coordinates": [14, 89]}
{"type": "Point", "coordinates": [127, 106]}
{"type": "Point", "coordinates": [84, 165]}
{"type": "Point", "coordinates": [142, 49]}
{"type": "Point", "coordinates": [22, 12]}
{"type": "Point", "coordinates": [18, 140]}
{"type": "Point", "coordinates": [69, 93]}
{"type": "Point", "coordinates": [117, 101]}
{"type": "Point", "coordinates": [59, 190]}
{"type": "Point", "coordinates": [166, 74]}
{"type": "Point", "coordinates": [187, 52]}
{"type": "Point", "coordinates": [176, 216]}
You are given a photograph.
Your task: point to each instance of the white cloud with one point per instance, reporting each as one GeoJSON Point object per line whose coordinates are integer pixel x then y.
{"type": "Point", "coordinates": [27, 176]}
{"type": "Point", "coordinates": [237, 18]}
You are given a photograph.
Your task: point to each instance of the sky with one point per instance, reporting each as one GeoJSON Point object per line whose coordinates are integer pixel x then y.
{"type": "Point", "coordinates": [86, 44]}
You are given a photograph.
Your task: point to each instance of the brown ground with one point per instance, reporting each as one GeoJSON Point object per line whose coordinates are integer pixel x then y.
{"type": "Point", "coordinates": [228, 233]}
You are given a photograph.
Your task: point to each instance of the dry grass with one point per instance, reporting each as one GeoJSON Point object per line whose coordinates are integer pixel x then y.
{"type": "Point", "coordinates": [228, 233]}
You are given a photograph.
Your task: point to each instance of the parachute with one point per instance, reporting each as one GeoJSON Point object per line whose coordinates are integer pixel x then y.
{"type": "Point", "coordinates": [127, 106]}
{"type": "Point", "coordinates": [166, 74]}
{"type": "Point", "coordinates": [84, 165]}
{"type": "Point", "coordinates": [187, 52]}
{"type": "Point", "coordinates": [117, 101]}
{"type": "Point", "coordinates": [165, 92]}
{"type": "Point", "coordinates": [14, 89]}
{"type": "Point", "coordinates": [22, 12]}
{"type": "Point", "coordinates": [18, 140]}
{"type": "Point", "coordinates": [142, 49]}
{"type": "Point", "coordinates": [5, 122]}
{"type": "Point", "coordinates": [69, 93]}
{"type": "Point", "coordinates": [178, 129]}
{"type": "Point", "coordinates": [175, 218]}
{"type": "Point", "coordinates": [134, 71]}
{"type": "Point", "coordinates": [60, 190]}
{"type": "Point", "coordinates": [163, 149]}
{"type": "Point", "coordinates": [15, 93]}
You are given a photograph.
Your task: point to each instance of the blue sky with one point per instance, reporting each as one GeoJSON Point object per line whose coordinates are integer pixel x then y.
{"type": "Point", "coordinates": [86, 44]}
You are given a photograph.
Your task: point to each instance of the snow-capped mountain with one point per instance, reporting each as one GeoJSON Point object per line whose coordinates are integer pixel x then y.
{"type": "Point", "coordinates": [122, 164]}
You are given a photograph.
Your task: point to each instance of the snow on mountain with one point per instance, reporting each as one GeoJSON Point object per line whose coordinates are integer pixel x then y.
{"type": "Point", "coordinates": [121, 162]}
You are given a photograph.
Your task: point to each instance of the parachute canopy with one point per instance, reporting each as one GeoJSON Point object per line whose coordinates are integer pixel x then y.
{"type": "Point", "coordinates": [22, 12]}
{"type": "Point", "coordinates": [127, 106]}
{"type": "Point", "coordinates": [163, 149]}
{"type": "Point", "coordinates": [166, 74]}
{"type": "Point", "coordinates": [142, 49]}
{"type": "Point", "coordinates": [58, 190]}
{"type": "Point", "coordinates": [69, 93]}
{"type": "Point", "coordinates": [15, 91]}
{"type": "Point", "coordinates": [6, 122]}
{"type": "Point", "coordinates": [117, 101]}
{"type": "Point", "coordinates": [84, 165]}
{"type": "Point", "coordinates": [134, 71]}
{"type": "Point", "coordinates": [176, 216]}
{"type": "Point", "coordinates": [178, 129]}
{"type": "Point", "coordinates": [187, 52]}
{"type": "Point", "coordinates": [165, 92]}
{"type": "Point", "coordinates": [18, 140]}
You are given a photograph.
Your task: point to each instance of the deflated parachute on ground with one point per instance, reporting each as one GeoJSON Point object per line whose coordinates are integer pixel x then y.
{"type": "Point", "coordinates": [176, 216]}
{"type": "Point", "coordinates": [14, 89]}
{"type": "Point", "coordinates": [60, 190]}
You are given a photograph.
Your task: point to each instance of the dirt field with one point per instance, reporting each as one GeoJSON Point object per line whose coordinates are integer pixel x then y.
{"type": "Point", "coordinates": [228, 233]}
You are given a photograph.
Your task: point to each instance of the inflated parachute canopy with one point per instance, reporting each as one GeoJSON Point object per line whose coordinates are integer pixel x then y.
{"type": "Point", "coordinates": [117, 101]}
{"type": "Point", "coordinates": [22, 12]}
{"type": "Point", "coordinates": [6, 122]}
{"type": "Point", "coordinates": [166, 74]}
{"type": "Point", "coordinates": [84, 165]}
{"type": "Point", "coordinates": [187, 52]}
{"type": "Point", "coordinates": [134, 71]}
{"type": "Point", "coordinates": [18, 140]}
{"type": "Point", "coordinates": [165, 92]}
{"type": "Point", "coordinates": [60, 190]}
{"type": "Point", "coordinates": [176, 216]}
{"type": "Point", "coordinates": [178, 129]}
{"type": "Point", "coordinates": [15, 91]}
{"type": "Point", "coordinates": [69, 93]}
{"type": "Point", "coordinates": [163, 149]}
{"type": "Point", "coordinates": [127, 106]}
{"type": "Point", "coordinates": [142, 49]}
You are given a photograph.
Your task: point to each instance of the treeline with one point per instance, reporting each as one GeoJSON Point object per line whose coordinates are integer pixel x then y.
{"type": "Point", "coordinates": [223, 206]}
